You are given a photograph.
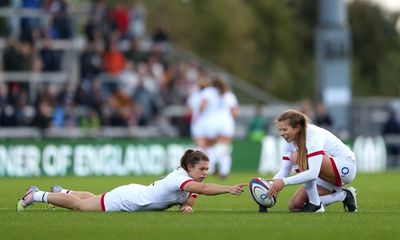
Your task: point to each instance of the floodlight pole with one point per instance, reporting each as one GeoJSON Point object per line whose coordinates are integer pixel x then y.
{"type": "Point", "coordinates": [333, 61]}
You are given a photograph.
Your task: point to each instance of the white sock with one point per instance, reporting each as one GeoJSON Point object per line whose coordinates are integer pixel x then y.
{"type": "Point", "coordinates": [213, 157]}
{"type": "Point", "coordinates": [40, 196]}
{"type": "Point", "coordinates": [333, 197]}
{"type": "Point", "coordinates": [312, 192]}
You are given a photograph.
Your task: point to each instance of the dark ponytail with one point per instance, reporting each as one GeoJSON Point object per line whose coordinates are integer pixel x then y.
{"type": "Point", "coordinates": [192, 157]}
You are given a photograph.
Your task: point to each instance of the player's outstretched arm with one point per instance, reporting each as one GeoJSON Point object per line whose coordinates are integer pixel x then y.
{"type": "Point", "coordinates": [213, 189]}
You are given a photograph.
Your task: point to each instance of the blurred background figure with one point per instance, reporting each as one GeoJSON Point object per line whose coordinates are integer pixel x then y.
{"type": "Point", "coordinates": [391, 134]}
{"type": "Point", "coordinates": [322, 116]}
{"type": "Point", "coordinates": [228, 115]}
{"type": "Point", "coordinates": [218, 108]}
{"type": "Point", "coordinates": [193, 113]}
{"type": "Point", "coordinates": [257, 128]}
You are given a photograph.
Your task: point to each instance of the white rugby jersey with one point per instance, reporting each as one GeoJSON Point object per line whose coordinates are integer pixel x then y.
{"type": "Point", "coordinates": [165, 192]}
{"type": "Point", "coordinates": [193, 103]}
{"type": "Point", "coordinates": [214, 101]}
{"type": "Point", "coordinates": [319, 142]}
{"type": "Point", "coordinates": [229, 100]}
{"type": "Point", "coordinates": [224, 119]}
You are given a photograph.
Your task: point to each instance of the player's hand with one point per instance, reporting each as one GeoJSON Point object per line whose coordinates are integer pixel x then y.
{"type": "Point", "coordinates": [277, 186]}
{"type": "Point", "coordinates": [186, 209]}
{"type": "Point", "coordinates": [238, 189]}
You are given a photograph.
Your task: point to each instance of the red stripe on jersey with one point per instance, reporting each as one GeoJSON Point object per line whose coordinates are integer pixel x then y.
{"type": "Point", "coordinates": [184, 183]}
{"type": "Point", "coordinates": [335, 170]}
{"type": "Point", "coordinates": [286, 158]}
{"type": "Point", "coordinates": [103, 206]}
{"type": "Point", "coordinates": [315, 154]}
{"type": "Point", "coordinates": [193, 195]}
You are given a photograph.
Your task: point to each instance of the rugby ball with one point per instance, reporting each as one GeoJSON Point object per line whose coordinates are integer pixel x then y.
{"type": "Point", "coordinates": [259, 188]}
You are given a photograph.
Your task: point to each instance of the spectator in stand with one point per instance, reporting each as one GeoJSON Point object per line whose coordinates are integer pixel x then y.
{"type": "Point", "coordinates": [90, 30]}
{"type": "Point", "coordinates": [7, 113]}
{"type": "Point", "coordinates": [114, 63]}
{"type": "Point", "coordinates": [391, 129]}
{"type": "Point", "coordinates": [113, 59]}
{"type": "Point", "coordinates": [98, 10]}
{"type": "Point", "coordinates": [90, 100]}
{"type": "Point", "coordinates": [125, 108]}
{"type": "Point", "coordinates": [90, 65]}
{"type": "Point", "coordinates": [147, 104]}
{"type": "Point", "coordinates": [8, 26]}
{"type": "Point", "coordinates": [257, 128]}
{"type": "Point", "coordinates": [307, 108]}
{"type": "Point", "coordinates": [23, 110]}
{"type": "Point", "coordinates": [137, 20]}
{"type": "Point", "coordinates": [121, 17]}
{"type": "Point", "coordinates": [128, 79]}
{"type": "Point", "coordinates": [65, 112]}
{"type": "Point", "coordinates": [61, 27]}
{"type": "Point", "coordinates": [51, 59]}
{"type": "Point", "coordinates": [29, 25]}
{"type": "Point", "coordinates": [108, 26]}
{"type": "Point", "coordinates": [12, 55]}
{"type": "Point", "coordinates": [134, 53]}
{"type": "Point", "coordinates": [44, 115]}
{"type": "Point", "coordinates": [322, 117]}
{"type": "Point", "coordinates": [19, 56]}
{"type": "Point", "coordinates": [28, 57]}
{"type": "Point", "coordinates": [90, 120]}
{"type": "Point", "coordinates": [160, 34]}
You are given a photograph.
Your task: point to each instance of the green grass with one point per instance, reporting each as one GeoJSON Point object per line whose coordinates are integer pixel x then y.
{"type": "Point", "coordinates": [218, 217]}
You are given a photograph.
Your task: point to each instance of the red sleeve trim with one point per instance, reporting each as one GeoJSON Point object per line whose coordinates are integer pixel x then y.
{"type": "Point", "coordinates": [193, 195]}
{"type": "Point", "coordinates": [286, 158]}
{"type": "Point", "coordinates": [103, 206]}
{"type": "Point", "coordinates": [184, 183]}
{"type": "Point", "coordinates": [315, 154]}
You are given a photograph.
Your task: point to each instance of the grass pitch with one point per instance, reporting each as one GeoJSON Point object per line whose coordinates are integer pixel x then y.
{"type": "Point", "coordinates": [215, 217]}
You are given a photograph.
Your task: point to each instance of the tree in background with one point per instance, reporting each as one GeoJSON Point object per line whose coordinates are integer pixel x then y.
{"type": "Point", "coordinates": [271, 43]}
{"type": "Point", "coordinates": [376, 50]}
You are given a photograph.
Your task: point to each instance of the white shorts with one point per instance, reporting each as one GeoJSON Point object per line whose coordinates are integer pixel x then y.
{"type": "Point", "coordinates": [226, 125]}
{"type": "Point", "coordinates": [204, 128]}
{"type": "Point", "coordinates": [345, 170]}
{"type": "Point", "coordinates": [123, 198]}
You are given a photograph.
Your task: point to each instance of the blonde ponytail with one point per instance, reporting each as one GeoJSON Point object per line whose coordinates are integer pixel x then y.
{"type": "Point", "coordinates": [297, 118]}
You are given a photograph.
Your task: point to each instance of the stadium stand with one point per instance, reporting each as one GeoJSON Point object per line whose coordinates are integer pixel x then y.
{"type": "Point", "coordinates": [57, 81]}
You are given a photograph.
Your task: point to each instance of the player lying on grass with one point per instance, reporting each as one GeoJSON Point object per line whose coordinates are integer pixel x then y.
{"type": "Point", "coordinates": [179, 187]}
{"type": "Point", "coordinates": [324, 164]}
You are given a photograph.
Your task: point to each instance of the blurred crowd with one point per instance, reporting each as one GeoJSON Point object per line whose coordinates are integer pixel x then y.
{"type": "Point", "coordinates": [126, 75]}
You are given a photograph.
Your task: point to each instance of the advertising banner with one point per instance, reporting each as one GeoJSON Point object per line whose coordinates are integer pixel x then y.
{"type": "Point", "coordinates": [124, 157]}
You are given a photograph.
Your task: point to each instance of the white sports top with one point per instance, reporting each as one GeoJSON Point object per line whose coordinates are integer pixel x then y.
{"type": "Point", "coordinates": [319, 142]}
{"type": "Point", "coordinates": [229, 100]}
{"type": "Point", "coordinates": [193, 103]}
{"type": "Point", "coordinates": [165, 192]}
{"type": "Point", "coordinates": [214, 100]}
